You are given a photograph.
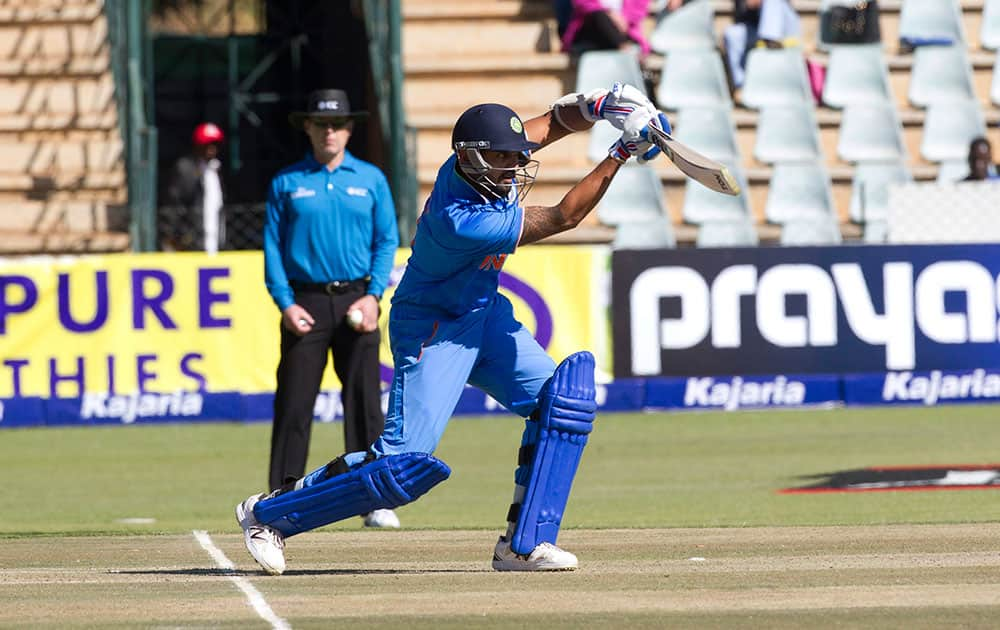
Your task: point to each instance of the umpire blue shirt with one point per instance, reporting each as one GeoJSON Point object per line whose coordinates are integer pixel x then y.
{"type": "Point", "coordinates": [324, 226]}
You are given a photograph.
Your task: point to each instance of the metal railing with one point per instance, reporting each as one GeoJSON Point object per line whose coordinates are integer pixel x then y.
{"type": "Point", "coordinates": [385, 51]}
{"type": "Point", "coordinates": [131, 63]}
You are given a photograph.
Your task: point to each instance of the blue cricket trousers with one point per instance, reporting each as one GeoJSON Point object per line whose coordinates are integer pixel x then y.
{"type": "Point", "coordinates": [435, 358]}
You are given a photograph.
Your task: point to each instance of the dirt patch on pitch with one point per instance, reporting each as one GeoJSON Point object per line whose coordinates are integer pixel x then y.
{"type": "Point", "coordinates": [436, 577]}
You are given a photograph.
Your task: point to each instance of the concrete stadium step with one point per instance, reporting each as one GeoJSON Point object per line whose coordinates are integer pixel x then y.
{"type": "Point", "coordinates": [57, 95]}
{"type": "Point", "coordinates": [56, 67]}
{"type": "Point", "coordinates": [16, 242]}
{"type": "Point", "coordinates": [527, 93]}
{"type": "Point", "coordinates": [104, 183]}
{"type": "Point", "coordinates": [60, 157]}
{"type": "Point", "coordinates": [414, 10]}
{"type": "Point", "coordinates": [53, 41]}
{"type": "Point", "coordinates": [52, 11]}
{"type": "Point", "coordinates": [462, 35]}
{"type": "Point", "coordinates": [28, 123]}
{"type": "Point", "coordinates": [31, 216]}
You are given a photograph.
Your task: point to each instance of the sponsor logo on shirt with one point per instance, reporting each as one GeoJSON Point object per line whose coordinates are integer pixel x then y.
{"type": "Point", "coordinates": [494, 261]}
{"type": "Point", "coordinates": [357, 192]}
{"type": "Point", "coordinates": [302, 192]}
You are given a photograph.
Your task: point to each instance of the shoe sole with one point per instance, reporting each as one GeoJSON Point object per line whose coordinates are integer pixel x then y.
{"type": "Point", "coordinates": [500, 565]}
{"type": "Point", "coordinates": [241, 518]}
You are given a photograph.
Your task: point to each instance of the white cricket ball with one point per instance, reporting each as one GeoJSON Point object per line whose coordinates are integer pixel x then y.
{"type": "Point", "coordinates": [355, 317]}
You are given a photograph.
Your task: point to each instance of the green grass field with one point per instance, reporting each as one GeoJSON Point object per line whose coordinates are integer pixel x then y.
{"type": "Point", "coordinates": [676, 518]}
{"type": "Point", "coordinates": [639, 470]}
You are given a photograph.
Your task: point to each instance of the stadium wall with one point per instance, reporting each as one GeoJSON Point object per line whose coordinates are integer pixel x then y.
{"type": "Point", "coordinates": [123, 339]}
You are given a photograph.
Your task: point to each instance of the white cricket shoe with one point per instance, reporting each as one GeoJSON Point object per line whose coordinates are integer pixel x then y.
{"type": "Point", "coordinates": [382, 518]}
{"type": "Point", "coordinates": [544, 557]}
{"type": "Point", "coordinates": [264, 543]}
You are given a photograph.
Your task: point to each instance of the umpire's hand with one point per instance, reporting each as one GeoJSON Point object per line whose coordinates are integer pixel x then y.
{"type": "Point", "coordinates": [368, 306]}
{"type": "Point", "coordinates": [297, 320]}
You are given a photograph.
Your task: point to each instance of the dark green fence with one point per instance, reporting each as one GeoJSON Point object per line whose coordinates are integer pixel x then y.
{"type": "Point", "coordinates": [131, 61]}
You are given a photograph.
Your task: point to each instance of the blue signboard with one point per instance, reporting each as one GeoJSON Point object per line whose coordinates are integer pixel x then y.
{"type": "Point", "coordinates": [805, 310]}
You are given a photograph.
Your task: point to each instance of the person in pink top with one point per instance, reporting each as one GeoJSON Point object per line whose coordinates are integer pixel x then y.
{"type": "Point", "coordinates": [606, 25]}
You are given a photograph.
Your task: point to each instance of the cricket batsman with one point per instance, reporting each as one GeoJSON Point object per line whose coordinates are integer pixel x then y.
{"type": "Point", "coordinates": [449, 326]}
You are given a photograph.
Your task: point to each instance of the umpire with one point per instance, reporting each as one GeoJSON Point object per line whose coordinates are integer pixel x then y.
{"type": "Point", "coordinates": [330, 237]}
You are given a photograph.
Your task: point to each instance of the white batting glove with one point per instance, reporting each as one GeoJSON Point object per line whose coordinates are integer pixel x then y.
{"type": "Point", "coordinates": [620, 101]}
{"type": "Point", "coordinates": [634, 139]}
{"type": "Point", "coordinates": [613, 105]}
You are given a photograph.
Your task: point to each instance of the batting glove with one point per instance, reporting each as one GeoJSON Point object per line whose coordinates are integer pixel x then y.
{"type": "Point", "coordinates": [634, 140]}
{"type": "Point", "coordinates": [613, 105]}
{"type": "Point", "coordinates": [660, 121]}
{"type": "Point", "coordinates": [619, 102]}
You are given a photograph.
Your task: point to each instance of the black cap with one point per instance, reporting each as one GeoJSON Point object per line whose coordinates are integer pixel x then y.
{"type": "Point", "coordinates": [491, 126]}
{"type": "Point", "coordinates": [325, 104]}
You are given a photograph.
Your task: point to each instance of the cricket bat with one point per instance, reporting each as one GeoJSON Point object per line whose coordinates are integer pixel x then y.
{"type": "Point", "coordinates": [705, 171]}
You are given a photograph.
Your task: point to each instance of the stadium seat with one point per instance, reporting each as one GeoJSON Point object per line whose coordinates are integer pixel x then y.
{"type": "Point", "coordinates": [876, 232]}
{"type": "Point", "coordinates": [602, 136]}
{"type": "Point", "coordinates": [691, 27]}
{"type": "Point", "coordinates": [635, 194]}
{"type": "Point", "coordinates": [951, 171]}
{"type": "Point", "coordinates": [787, 133]}
{"type": "Point", "coordinates": [811, 231]}
{"type": "Point", "coordinates": [995, 83]}
{"type": "Point", "coordinates": [870, 189]}
{"type": "Point", "coordinates": [856, 75]}
{"type": "Point", "coordinates": [704, 205]}
{"type": "Point", "coordinates": [870, 132]}
{"type": "Point", "coordinates": [949, 128]}
{"type": "Point", "coordinates": [651, 234]}
{"type": "Point", "coordinates": [692, 78]}
{"type": "Point", "coordinates": [731, 233]}
{"type": "Point", "coordinates": [940, 74]}
{"type": "Point", "coordinates": [600, 69]}
{"type": "Point", "coordinates": [799, 190]}
{"type": "Point", "coordinates": [708, 130]}
{"type": "Point", "coordinates": [931, 19]}
{"type": "Point", "coordinates": [776, 77]}
{"type": "Point", "coordinates": [989, 27]}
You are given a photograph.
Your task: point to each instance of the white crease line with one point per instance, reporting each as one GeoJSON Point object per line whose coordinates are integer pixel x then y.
{"type": "Point", "coordinates": [254, 597]}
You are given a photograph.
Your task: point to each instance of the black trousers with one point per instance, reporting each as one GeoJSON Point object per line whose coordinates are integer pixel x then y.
{"type": "Point", "coordinates": [598, 32]}
{"type": "Point", "coordinates": [300, 372]}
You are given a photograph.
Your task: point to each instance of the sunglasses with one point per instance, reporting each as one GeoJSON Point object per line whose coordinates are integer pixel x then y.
{"type": "Point", "coordinates": [331, 123]}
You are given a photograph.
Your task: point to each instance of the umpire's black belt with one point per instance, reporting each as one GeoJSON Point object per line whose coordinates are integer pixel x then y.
{"type": "Point", "coordinates": [337, 287]}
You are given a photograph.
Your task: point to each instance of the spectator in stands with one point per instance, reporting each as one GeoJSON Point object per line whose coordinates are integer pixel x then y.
{"type": "Point", "coordinates": [192, 217]}
{"type": "Point", "coordinates": [606, 25]}
{"type": "Point", "coordinates": [564, 12]}
{"type": "Point", "coordinates": [767, 23]}
{"type": "Point", "coordinates": [981, 166]}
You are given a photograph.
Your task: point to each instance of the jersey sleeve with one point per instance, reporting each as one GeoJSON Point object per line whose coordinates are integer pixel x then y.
{"type": "Point", "coordinates": [482, 229]}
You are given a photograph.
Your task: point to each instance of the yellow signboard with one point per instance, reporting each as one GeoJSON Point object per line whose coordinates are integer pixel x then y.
{"type": "Point", "coordinates": [120, 324]}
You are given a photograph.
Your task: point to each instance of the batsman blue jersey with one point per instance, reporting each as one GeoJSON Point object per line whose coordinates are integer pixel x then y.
{"type": "Point", "coordinates": [461, 243]}
{"type": "Point", "coordinates": [449, 326]}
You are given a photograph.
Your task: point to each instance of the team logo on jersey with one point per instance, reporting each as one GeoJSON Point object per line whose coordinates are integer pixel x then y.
{"type": "Point", "coordinates": [357, 192]}
{"type": "Point", "coordinates": [494, 261]}
{"type": "Point", "coordinates": [302, 192]}
{"type": "Point", "coordinates": [515, 124]}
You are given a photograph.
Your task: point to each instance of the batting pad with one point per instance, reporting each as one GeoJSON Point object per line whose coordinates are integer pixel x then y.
{"type": "Point", "coordinates": [385, 483]}
{"type": "Point", "coordinates": [565, 417]}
